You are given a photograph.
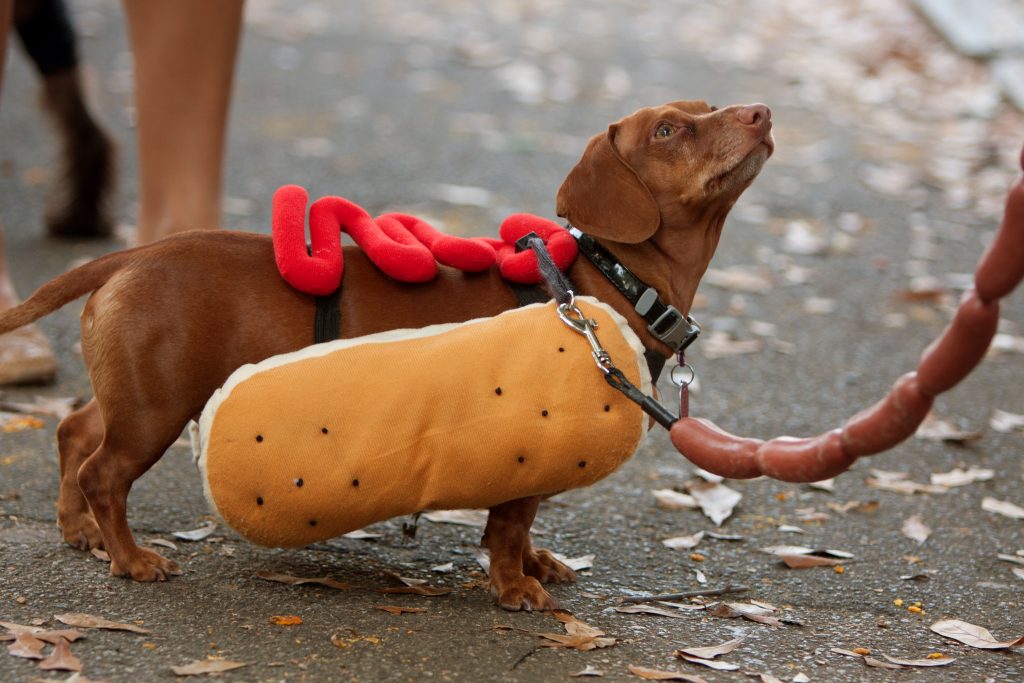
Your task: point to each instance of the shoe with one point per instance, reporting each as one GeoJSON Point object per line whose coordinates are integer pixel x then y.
{"type": "Point", "coordinates": [26, 357]}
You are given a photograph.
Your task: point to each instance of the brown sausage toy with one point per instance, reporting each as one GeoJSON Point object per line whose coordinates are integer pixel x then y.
{"type": "Point", "coordinates": [943, 364]}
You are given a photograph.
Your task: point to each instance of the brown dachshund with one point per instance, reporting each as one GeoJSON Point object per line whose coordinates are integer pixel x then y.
{"type": "Point", "coordinates": [167, 323]}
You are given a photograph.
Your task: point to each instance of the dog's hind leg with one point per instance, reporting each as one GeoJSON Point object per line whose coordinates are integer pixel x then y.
{"type": "Point", "coordinates": [107, 476]}
{"type": "Point", "coordinates": [507, 537]}
{"type": "Point", "coordinates": [78, 436]}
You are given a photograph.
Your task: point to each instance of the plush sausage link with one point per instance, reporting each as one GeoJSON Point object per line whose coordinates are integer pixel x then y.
{"type": "Point", "coordinates": [943, 364]}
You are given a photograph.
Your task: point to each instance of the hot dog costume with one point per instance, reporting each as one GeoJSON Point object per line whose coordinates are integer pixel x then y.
{"type": "Point", "coordinates": [313, 444]}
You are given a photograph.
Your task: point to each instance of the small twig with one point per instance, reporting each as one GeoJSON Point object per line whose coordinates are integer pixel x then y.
{"type": "Point", "coordinates": [689, 594]}
{"type": "Point", "coordinates": [523, 658]}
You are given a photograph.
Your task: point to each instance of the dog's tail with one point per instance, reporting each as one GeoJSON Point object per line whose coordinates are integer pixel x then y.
{"type": "Point", "coordinates": [65, 288]}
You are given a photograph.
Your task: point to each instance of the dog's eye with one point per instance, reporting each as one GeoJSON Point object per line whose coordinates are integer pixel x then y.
{"type": "Point", "coordinates": [714, 109]}
{"type": "Point", "coordinates": [664, 131]}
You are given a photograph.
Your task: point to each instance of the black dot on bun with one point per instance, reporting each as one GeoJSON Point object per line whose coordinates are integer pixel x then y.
{"type": "Point", "coordinates": [299, 482]}
{"type": "Point", "coordinates": [583, 463]}
{"type": "Point", "coordinates": [522, 458]}
{"type": "Point", "coordinates": [561, 349]}
{"type": "Point", "coordinates": [324, 430]}
{"type": "Point", "coordinates": [355, 482]}
{"type": "Point", "coordinates": [498, 391]}
{"type": "Point", "coordinates": [259, 500]}
{"type": "Point", "coordinates": [312, 522]}
{"type": "Point", "coordinates": [544, 413]}
{"type": "Point", "coordinates": [607, 408]}
{"type": "Point", "coordinates": [259, 438]}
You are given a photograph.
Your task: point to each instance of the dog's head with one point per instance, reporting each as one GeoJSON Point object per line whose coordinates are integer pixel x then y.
{"type": "Point", "coordinates": [662, 163]}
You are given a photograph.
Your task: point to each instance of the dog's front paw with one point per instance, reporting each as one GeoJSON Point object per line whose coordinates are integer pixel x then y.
{"type": "Point", "coordinates": [145, 565]}
{"type": "Point", "coordinates": [524, 593]}
{"type": "Point", "coordinates": [543, 566]}
{"type": "Point", "coordinates": [80, 531]}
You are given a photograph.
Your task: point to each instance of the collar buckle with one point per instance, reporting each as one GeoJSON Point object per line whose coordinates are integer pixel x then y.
{"type": "Point", "coordinates": [675, 330]}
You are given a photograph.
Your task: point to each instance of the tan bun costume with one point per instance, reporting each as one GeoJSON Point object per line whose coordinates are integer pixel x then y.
{"type": "Point", "coordinates": [313, 444]}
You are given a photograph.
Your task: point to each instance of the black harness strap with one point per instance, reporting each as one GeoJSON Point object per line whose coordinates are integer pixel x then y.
{"type": "Point", "coordinates": [327, 323]}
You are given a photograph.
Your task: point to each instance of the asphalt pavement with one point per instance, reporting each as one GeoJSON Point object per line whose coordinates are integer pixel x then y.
{"type": "Point", "coordinates": [836, 269]}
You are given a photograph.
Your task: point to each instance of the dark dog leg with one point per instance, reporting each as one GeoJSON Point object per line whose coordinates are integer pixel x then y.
{"type": "Point", "coordinates": [507, 537]}
{"type": "Point", "coordinates": [78, 437]}
{"type": "Point", "coordinates": [80, 205]}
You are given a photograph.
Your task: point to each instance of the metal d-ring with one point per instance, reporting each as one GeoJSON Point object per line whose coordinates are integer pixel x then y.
{"type": "Point", "coordinates": [682, 375]}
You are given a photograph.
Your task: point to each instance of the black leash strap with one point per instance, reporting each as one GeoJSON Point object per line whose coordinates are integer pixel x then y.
{"type": "Point", "coordinates": [561, 290]}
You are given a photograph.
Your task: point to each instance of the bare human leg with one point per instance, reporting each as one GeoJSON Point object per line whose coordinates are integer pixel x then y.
{"type": "Point", "coordinates": [184, 64]}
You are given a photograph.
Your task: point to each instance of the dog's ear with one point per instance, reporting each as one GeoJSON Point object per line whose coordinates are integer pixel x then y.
{"type": "Point", "coordinates": [603, 195]}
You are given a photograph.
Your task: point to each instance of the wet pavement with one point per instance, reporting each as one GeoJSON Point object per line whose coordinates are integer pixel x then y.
{"type": "Point", "coordinates": [836, 268]}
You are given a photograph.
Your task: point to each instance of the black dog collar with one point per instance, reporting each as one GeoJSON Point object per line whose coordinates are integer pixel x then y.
{"type": "Point", "coordinates": [665, 322]}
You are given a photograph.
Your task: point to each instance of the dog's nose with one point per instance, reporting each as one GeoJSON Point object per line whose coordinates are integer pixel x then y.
{"type": "Point", "coordinates": [754, 115]}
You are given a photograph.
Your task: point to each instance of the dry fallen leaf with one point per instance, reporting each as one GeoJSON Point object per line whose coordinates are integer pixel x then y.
{"type": "Point", "coordinates": [1004, 422]}
{"type": "Point", "coordinates": [362, 535]}
{"type": "Point", "coordinates": [1002, 507]}
{"type": "Point", "coordinates": [739, 279]}
{"type": "Point", "coordinates": [196, 534]}
{"type": "Point", "coordinates": [586, 672]}
{"type": "Point", "coordinates": [45, 405]}
{"type": "Point", "coordinates": [803, 550]}
{"type": "Point", "coordinates": [808, 561]}
{"type": "Point", "coordinates": [1006, 343]}
{"type": "Point", "coordinates": [290, 580]}
{"type": "Point", "coordinates": [673, 500]}
{"type": "Point", "coordinates": [81, 620]}
{"type": "Point", "coordinates": [934, 428]}
{"type": "Point", "coordinates": [579, 635]}
{"type": "Point", "coordinates": [577, 564]}
{"type": "Point", "coordinates": [684, 542]}
{"type": "Point", "coordinates": [716, 501]}
{"type": "Point", "coordinates": [803, 238]}
{"type": "Point", "coordinates": [286, 620]}
{"type": "Point", "coordinates": [397, 609]}
{"type": "Point", "coordinates": [61, 659]}
{"type": "Point", "coordinates": [719, 344]}
{"type": "Point", "coordinates": [713, 651]}
{"type": "Point", "coordinates": [898, 483]}
{"type": "Point", "coordinates": [19, 423]}
{"type": "Point", "coordinates": [710, 663]}
{"type": "Point", "coordinates": [816, 305]}
{"type": "Point", "coordinates": [26, 646]}
{"type": "Point", "coordinates": [659, 675]}
{"type": "Point", "coordinates": [915, 529]}
{"type": "Point", "coordinates": [959, 477]}
{"type": "Point", "coordinates": [750, 612]}
{"type": "Point", "coordinates": [1016, 559]}
{"type": "Point", "coordinates": [474, 518]}
{"type": "Point", "coordinates": [974, 636]}
{"type": "Point", "coordinates": [206, 666]}
{"type": "Point", "coordinates": [163, 542]}
{"type": "Point", "coordinates": [935, 661]}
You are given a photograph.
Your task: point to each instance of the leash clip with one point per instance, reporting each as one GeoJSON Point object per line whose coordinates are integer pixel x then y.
{"type": "Point", "coordinates": [571, 315]}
